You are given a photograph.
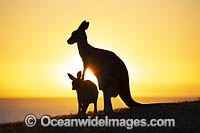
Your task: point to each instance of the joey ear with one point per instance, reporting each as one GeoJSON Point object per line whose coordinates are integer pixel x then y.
{"type": "Point", "coordinates": [79, 75]}
{"type": "Point", "coordinates": [71, 76]}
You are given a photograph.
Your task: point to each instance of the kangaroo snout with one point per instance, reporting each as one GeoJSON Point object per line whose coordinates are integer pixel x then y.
{"type": "Point", "coordinates": [69, 41]}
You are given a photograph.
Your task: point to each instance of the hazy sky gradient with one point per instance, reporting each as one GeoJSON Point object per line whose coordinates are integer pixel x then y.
{"type": "Point", "coordinates": [159, 41]}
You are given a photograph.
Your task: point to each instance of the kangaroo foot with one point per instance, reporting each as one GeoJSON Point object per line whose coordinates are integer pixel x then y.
{"type": "Point", "coordinates": [108, 112]}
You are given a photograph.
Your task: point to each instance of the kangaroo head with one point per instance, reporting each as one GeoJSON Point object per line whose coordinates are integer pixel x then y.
{"type": "Point", "coordinates": [76, 82]}
{"type": "Point", "coordinates": [79, 34]}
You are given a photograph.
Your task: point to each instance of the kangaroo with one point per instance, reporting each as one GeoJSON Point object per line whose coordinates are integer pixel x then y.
{"type": "Point", "coordinates": [110, 70]}
{"type": "Point", "coordinates": [86, 92]}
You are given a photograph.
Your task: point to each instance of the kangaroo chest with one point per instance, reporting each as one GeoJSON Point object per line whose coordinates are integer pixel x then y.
{"type": "Point", "coordinates": [83, 51]}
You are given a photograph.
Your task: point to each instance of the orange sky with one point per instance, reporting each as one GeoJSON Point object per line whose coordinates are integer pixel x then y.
{"type": "Point", "coordinates": [158, 40]}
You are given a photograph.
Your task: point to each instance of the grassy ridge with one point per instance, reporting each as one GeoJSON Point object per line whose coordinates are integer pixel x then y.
{"type": "Point", "coordinates": [186, 115]}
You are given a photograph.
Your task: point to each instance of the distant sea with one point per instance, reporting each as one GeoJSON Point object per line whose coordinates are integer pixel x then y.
{"type": "Point", "coordinates": [12, 110]}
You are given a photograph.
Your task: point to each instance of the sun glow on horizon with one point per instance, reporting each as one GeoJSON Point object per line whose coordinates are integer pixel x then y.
{"type": "Point", "coordinates": [157, 40]}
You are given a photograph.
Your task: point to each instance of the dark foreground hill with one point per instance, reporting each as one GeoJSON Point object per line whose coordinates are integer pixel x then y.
{"type": "Point", "coordinates": [186, 116]}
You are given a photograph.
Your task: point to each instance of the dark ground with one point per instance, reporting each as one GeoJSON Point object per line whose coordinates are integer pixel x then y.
{"type": "Point", "coordinates": [186, 115]}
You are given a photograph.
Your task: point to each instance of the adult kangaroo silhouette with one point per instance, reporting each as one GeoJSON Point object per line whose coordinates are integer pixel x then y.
{"type": "Point", "coordinates": [110, 70]}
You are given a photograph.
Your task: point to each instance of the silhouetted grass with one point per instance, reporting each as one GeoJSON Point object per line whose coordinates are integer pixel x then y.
{"type": "Point", "coordinates": [186, 115]}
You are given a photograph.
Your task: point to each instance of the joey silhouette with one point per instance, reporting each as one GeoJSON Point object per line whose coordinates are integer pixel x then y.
{"type": "Point", "coordinates": [110, 70]}
{"type": "Point", "coordinates": [86, 92]}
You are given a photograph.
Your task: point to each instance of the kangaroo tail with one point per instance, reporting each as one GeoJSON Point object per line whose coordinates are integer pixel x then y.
{"type": "Point", "coordinates": [125, 95]}
{"type": "Point", "coordinates": [128, 100]}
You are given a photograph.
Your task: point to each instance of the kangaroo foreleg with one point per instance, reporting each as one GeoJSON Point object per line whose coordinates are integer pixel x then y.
{"type": "Point", "coordinates": [84, 69]}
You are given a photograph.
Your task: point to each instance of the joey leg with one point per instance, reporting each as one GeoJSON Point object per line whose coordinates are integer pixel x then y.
{"type": "Point", "coordinates": [85, 106]}
{"type": "Point", "coordinates": [80, 108]}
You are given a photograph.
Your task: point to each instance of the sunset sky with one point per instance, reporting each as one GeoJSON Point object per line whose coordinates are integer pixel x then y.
{"type": "Point", "coordinates": [159, 41]}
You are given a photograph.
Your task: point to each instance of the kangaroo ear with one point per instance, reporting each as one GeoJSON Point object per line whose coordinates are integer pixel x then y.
{"type": "Point", "coordinates": [87, 25]}
{"type": "Point", "coordinates": [71, 76]}
{"type": "Point", "coordinates": [79, 75]}
{"type": "Point", "coordinates": [84, 25]}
